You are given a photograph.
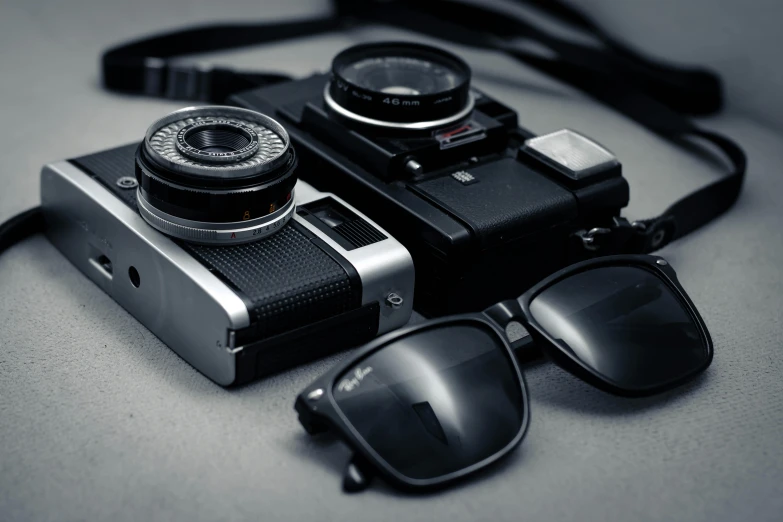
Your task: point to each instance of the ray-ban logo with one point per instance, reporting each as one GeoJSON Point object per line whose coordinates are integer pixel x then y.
{"type": "Point", "coordinates": [349, 383]}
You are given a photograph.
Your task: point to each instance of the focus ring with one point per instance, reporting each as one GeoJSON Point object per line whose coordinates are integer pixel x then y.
{"type": "Point", "coordinates": [258, 229]}
{"type": "Point", "coordinates": [174, 229]}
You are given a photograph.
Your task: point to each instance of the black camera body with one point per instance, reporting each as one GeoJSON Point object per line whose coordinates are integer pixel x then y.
{"type": "Point", "coordinates": [322, 278]}
{"type": "Point", "coordinates": [484, 211]}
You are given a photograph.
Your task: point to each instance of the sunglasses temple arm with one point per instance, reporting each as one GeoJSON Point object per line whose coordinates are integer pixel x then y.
{"type": "Point", "coordinates": [358, 474]}
{"type": "Point", "coordinates": [506, 312]}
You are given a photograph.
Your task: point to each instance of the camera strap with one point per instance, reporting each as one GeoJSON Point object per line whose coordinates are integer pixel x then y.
{"type": "Point", "coordinates": [658, 96]}
{"type": "Point", "coordinates": [149, 66]}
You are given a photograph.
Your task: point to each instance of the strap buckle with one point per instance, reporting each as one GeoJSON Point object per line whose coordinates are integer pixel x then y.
{"type": "Point", "coordinates": [591, 239]}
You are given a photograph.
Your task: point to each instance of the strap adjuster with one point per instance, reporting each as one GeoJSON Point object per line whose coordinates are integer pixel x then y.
{"type": "Point", "coordinates": [177, 81]}
{"type": "Point", "coordinates": [189, 82]}
{"type": "Point", "coordinates": [154, 71]}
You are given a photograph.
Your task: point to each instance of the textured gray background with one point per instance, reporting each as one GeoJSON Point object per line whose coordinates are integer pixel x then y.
{"type": "Point", "coordinates": [100, 421]}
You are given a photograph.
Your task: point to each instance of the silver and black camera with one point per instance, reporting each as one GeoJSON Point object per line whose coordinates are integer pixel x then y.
{"type": "Point", "coordinates": [204, 234]}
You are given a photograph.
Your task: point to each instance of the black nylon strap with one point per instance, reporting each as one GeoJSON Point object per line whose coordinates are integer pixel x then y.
{"type": "Point", "coordinates": [694, 91]}
{"type": "Point", "coordinates": [654, 94]}
{"type": "Point", "coordinates": [145, 66]}
{"type": "Point", "coordinates": [702, 206]}
{"type": "Point", "coordinates": [686, 90]}
{"type": "Point", "coordinates": [20, 227]}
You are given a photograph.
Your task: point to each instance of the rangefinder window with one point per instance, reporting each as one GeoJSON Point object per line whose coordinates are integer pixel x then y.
{"type": "Point", "coordinates": [340, 224]}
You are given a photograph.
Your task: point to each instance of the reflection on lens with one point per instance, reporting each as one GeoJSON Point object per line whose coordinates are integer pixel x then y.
{"type": "Point", "coordinates": [434, 402]}
{"type": "Point", "coordinates": [400, 89]}
{"type": "Point", "coordinates": [401, 75]}
{"type": "Point", "coordinates": [625, 323]}
{"type": "Point", "coordinates": [218, 138]}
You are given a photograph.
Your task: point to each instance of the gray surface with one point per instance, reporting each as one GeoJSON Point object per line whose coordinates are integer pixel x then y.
{"type": "Point", "coordinates": [100, 421]}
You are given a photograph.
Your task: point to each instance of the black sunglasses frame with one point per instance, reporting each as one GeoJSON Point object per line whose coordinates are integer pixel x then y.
{"type": "Point", "coordinates": [519, 310]}
{"type": "Point", "coordinates": [318, 410]}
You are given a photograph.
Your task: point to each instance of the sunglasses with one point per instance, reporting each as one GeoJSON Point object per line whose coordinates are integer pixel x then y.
{"type": "Point", "coordinates": [432, 403]}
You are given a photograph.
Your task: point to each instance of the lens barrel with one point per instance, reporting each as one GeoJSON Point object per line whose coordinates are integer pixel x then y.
{"type": "Point", "coordinates": [216, 175]}
{"type": "Point", "coordinates": [399, 86]}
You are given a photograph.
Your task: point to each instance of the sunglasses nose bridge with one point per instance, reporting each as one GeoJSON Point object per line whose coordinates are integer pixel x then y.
{"type": "Point", "coordinates": [505, 312]}
{"type": "Point", "coordinates": [522, 343]}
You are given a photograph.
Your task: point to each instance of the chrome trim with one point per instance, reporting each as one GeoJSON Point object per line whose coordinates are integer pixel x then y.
{"type": "Point", "coordinates": [226, 170]}
{"type": "Point", "coordinates": [384, 267]}
{"type": "Point", "coordinates": [421, 125]}
{"type": "Point", "coordinates": [233, 233]}
{"type": "Point", "coordinates": [179, 300]}
{"type": "Point", "coordinates": [315, 394]}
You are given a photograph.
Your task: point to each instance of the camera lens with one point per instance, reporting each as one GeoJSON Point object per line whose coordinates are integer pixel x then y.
{"type": "Point", "coordinates": [399, 86]}
{"type": "Point", "coordinates": [216, 175]}
{"type": "Point", "coordinates": [213, 142]}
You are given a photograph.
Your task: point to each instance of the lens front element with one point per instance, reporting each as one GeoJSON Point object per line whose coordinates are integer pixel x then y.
{"type": "Point", "coordinates": [625, 323]}
{"type": "Point", "coordinates": [401, 75]}
{"type": "Point", "coordinates": [435, 402]}
{"type": "Point", "coordinates": [217, 141]}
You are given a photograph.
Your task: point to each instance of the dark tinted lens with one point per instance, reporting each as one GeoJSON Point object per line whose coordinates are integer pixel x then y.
{"type": "Point", "coordinates": [624, 322]}
{"type": "Point", "coordinates": [435, 402]}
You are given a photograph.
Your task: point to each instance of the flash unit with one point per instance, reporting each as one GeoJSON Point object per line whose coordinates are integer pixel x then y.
{"type": "Point", "coordinates": [574, 156]}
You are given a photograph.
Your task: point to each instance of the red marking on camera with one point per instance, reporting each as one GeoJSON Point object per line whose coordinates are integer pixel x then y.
{"type": "Point", "coordinates": [455, 131]}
